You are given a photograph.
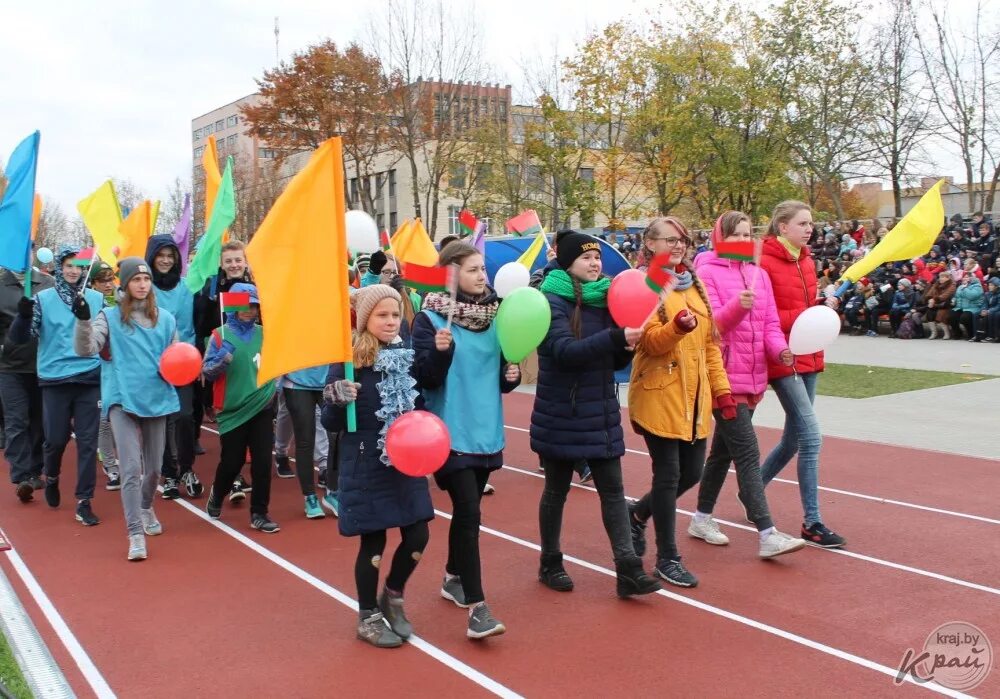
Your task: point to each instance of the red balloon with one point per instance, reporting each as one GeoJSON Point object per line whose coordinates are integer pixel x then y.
{"type": "Point", "coordinates": [630, 299]}
{"type": "Point", "coordinates": [180, 364]}
{"type": "Point", "coordinates": [418, 443]}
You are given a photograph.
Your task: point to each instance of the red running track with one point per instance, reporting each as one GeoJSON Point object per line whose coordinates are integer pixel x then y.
{"type": "Point", "coordinates": [226, 610]}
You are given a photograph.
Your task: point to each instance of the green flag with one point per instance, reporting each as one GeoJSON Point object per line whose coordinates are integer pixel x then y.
{"type": "Point", "coordinates": [206, 260]}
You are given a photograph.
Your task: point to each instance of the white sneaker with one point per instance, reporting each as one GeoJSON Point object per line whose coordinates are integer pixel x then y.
{"type": "Point", "coordinates": [150, 524]}
{"type": "Point", "coordinates": [777, 543]}
{"type": "Point", "coordinates": [707, 530]}
{"type": "Point", "coordinates": [136, 547]}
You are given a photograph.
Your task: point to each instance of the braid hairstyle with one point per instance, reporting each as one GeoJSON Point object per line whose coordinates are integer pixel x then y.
{"type": "Point", "coordinates": [576, 320]}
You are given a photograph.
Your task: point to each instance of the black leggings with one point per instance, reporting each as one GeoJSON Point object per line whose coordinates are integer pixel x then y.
{"type": "Point", "coordinates": [404, 561]}
{"type": "Point", "coordinates": [301, 406]}
{"type": "Point", "coordinates": [677, 466]}
{"type": "Point", "coordinates": [465, 487]}
{"type": "Point", "coordinates": [257, 435]}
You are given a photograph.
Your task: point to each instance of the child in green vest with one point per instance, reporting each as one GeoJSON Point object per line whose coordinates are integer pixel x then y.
{"type": "Point", "coordinates": [244, 412]}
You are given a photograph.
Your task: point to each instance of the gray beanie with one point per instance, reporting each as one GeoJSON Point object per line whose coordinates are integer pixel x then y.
{"type": "Point", "coordinates": [369, 297]}
{"type": "Point", "coordinates": [905, 282]}
{"type": "Point", "coordinates": [128, 267]}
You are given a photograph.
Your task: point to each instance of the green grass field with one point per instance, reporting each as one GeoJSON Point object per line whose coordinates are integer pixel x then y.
{"type": "Point", "coordinates": [10, 673]}
{"type": "Point", "coordinates": [855, 381]}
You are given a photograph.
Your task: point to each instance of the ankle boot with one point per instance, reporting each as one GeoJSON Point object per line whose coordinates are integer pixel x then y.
{"type": "Point", "coordinates": [552, 574]}
{"type": "Point", "coordinates": [932, 330]}
{"type": "Point", "coordinates": [632, 579]}
{"type": "Point", "coordinates": [945, 331]}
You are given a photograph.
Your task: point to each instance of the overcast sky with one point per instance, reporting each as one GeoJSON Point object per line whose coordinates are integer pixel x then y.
{"type": "Point", "coordinates": [113, 84]}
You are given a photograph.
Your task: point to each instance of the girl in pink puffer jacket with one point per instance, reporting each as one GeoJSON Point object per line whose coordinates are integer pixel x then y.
{"type": "Point", "coordinates": [747, 319]}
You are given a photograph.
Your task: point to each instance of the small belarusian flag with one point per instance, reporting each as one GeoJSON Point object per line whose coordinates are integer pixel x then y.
{"type": "Point", "coordinates": [525, 223]}
{"type": "Point", "coordinates": [735, 250]}
{"type": "Point", "coordinates": [233, 301]}
{"type": "Point", "coordinates": [467, 223]}
{"type": "Point", "coordinates": [84, 258]}
{"type": "Point", "coordinates": [383, 239]}
{"type": "Point", "coordinates": [658, 276]}
{"type": "Point", "coordinates": [426, 279]}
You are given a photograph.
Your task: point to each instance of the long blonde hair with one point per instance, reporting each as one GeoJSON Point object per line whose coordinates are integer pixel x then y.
{"type": "Point", "coordinates": [366, 347]}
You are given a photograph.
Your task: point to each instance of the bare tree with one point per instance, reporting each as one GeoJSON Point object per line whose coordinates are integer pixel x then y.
{"type": "Point", "coordinates": [130, 195]}
{"type": "Point", "coordinates": [172, 206]}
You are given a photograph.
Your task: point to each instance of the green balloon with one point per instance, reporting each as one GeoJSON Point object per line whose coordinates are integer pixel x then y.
{"type": "Point", "coordinates": [522, 321]}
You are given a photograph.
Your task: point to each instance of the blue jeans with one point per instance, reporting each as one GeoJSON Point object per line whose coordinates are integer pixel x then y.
{"type": "Point", "coordinates": [801, 436]}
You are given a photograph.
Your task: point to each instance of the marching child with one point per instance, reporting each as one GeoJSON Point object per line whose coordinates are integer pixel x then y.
{"type": "Point", "coordinates": [131, 337]}
{"type": "Point", "coordinates": [102, 280]}
{"type": "Point", "coordinates": [244, 411]}
{"type": "Point", "coordinates": [375, 497]}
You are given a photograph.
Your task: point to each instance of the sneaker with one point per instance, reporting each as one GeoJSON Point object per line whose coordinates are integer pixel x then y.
{"type": "Point", "coordinates": [483, 624]}
{"type": "Point", "coordinates": [236, 494]}
{"type": "Point", "coordinates": [283, 467]}
{"type": "Point", "coordinates": [330, 502]}
{"type": "Point", "coordinates": [85, 515]}
{"type": "Point", "coordinates": [214, 505]}
{"type": "Point", "coordinates": [451, 589]}
{"type": "Point", "coordinates": [24, 491]}
{"type": "Point", "coordinates": [819, 535]}
{"type": "Point", "coordinates": [192, 486]}
{"type": "Point", "coordinates": [263, 523]}
{"type": "Point", "coordinates": [136, 547]}
{"type": "Point", "coordinates": [586, 476]}
{"type": "Point", "coordinates": [150, 524]}
{"type": "Point", "coordinates": [638, 532]}
{"type": "Point", "coordinates": [313, 510]}
{"type": "Point", "coordinates": [707, 529]}
{"type": "Point", "coordinates": [243, 483]}
{"type": "Point", "coordinates": [777, 543]}
{"type": "Point", "coordinates": [391, 607]}
{"type": "Point", "coordinates": [114, 481]}
{"type": "Point", "coordinates": [675, 573]}
{"type": "Point", "coordinates": [170, 489]}
{"type": "Point", "coordinates": [52, 492]}
{"type": "Point", "coordinates": [553, 575]}
{"type": "Point", "coordinates": [373, 629]}
{"type": "Point", "coordinates": [198, 449]}
{"type": "Point", "coordinates": [489, 489]}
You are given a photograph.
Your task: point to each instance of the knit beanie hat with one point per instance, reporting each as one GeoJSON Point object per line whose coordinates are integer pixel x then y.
{"type": "Point", "coordinates": [905, 282]}
{"type": "Point", "coordinates": [574, 244]}
{"type": "Point", "coordinates": [131, 266]}
{"type": "Point", "coordinates": [362, 261]}
{"type": "Point", "coordinates": [367, 298]}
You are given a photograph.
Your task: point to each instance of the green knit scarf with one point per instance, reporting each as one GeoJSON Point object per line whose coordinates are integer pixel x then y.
{"type": "Point", "coordinates": [595, 293]}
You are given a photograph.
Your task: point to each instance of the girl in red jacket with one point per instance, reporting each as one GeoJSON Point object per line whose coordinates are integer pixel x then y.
{"type": "Point", "coordinates": [787, 260]}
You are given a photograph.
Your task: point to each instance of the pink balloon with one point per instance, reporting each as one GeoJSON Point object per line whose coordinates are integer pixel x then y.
{"type": "Point", "coordinates": [630, 299]}
{"type": "Point", "coordinates": [418, 443]}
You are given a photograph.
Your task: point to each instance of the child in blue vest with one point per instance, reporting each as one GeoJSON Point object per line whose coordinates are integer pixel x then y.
{"type": "Point", "coordinates": [130, 338]}
{"type": "Point", "coordinates": [172, 294]}
{"type": "Point", "coordinates": [244, 411]}
{"type": "Point", "coordinates": [374, 496]}
{"type": "Point", "coordinates": [463, 373]}
{"type": "Point", "coordinates": [102, 280]}
{"type": "Point", "coordinates": [70, 383]}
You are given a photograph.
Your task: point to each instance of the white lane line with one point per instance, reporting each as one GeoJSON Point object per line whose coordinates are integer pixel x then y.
{"type": "Point", "coordinates": [842, 552]}
{"type": "Point", "coordinates": [863, 496]}
{"type": "Point", "coordinates": [420, 644]}
{"type": "Point", "coordinates": [739, 618]}
{"type": "Point", "coordinates": [87, 668]}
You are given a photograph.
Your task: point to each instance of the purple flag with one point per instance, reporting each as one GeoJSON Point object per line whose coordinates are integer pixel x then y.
{"type": "Point", "coordinates": [182, 233]}
{"type": "Point", "coordinates": [479, 238]}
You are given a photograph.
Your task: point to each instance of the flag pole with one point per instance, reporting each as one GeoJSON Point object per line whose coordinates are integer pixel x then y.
{"type": "Point", "coordinates": [93, 258]}
{"type": "Point", "coordinates": [222, 319]}
{"type": "Point", "coordinates": [31, 242]}
{"type": "Point", "coordinates": [453, 283]}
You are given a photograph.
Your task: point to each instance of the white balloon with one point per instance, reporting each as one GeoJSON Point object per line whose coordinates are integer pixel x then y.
{"type": "Point", "coordinates": [362, 233]}
{"type": "Point", "coordinates": [512, 275]}
{"type": "Point", "coordinates": [814, 330]}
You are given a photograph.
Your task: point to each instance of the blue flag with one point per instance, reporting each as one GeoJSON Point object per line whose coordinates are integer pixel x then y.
{"type": "Point", "coordinates": [17, 204]}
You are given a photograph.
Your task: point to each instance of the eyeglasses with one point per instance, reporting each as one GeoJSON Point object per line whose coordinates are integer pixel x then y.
{"type": "Point", "coordinates": [673, 242]}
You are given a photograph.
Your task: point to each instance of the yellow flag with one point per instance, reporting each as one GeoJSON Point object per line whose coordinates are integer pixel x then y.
{"type": "Point", "coordinates": [134, 232]}
{"type": "Point", "coordinates": [102, 215]}
{"type": "Point", "coordinates": [412, 244]}
{"type": "Point", "coordinates": [308, 315]}
{"type": "Point", "coordinates": [912, 237]}
{"type": "Point", "coordinates": [154, 216]}
{"type": "Point", "coordinates": [531, 254]}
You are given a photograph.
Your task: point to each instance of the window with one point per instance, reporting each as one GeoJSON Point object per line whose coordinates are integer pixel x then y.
{"type": "Point", "coordinates": [354, 190]}
{"type": "Point", "coordinates": [513, 173]}
{"type": "Point", "coordinates": [220, 125]}
{"type": "Point", "coordinates": [197, 134]}
{"type": "Point", "coordinates": [533, 175]}
{"type": "Point", "coordinates": [380, 221]}
{"type": "Point", "coordinates": [208, 130]}
{"type": "Point", "coordinates": [586, 174]}
{"type": "Point", "coordinates": [231, 140]}
{"type": "Point", "coordinates": [232, 120]}
{"type": "Point", "coordinates": [393, 221]}
{"type": "Point", "coordinates": [483, 174]}
{"type": "Point", "coordinates": [392, 188]}
{"type": "Point", "coordinates": [379, 185]}
{"type": "Point", "coordinates": [198, 151]}
{"type": "Point", "coordinates": [503, 109]}
{"type": "Point", "coordinates": [220, 147]}
{"type": "Point", "coordinates": [456, 179]}
{"type": "Point", "coordinates": [265, 153]}
{"type": "Point", "coordinates": [453, 227]}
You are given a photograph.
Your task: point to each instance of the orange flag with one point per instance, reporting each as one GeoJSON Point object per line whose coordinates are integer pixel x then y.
{"type": "Point", "coordinates": [308, 315]}
{"type": "Point", "coordinates": [411, 243]}
{"type": "Point", "coordinates": [213, 178]}
{"type": "Point", "coordinates": [134, 231]}
{"type": "Point", "coordinates": [36, 215]}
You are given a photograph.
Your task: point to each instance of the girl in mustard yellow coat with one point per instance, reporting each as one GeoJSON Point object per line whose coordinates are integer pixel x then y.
{"type": "Point", "coordinates": [677, 378]}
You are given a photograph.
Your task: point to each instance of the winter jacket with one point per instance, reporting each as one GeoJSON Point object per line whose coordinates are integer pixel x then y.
{"type": "Point", "coordinates": [969, 297]}
{"type": "Point", "coordinates": [676, 375]}
{"type": "Point", "coordinates": [17, 358]}
{"type": "Point", "coordinates": [902, 300]}
{"type": "Point", "coordinates": [940, 293]}
{"type": "Point", "coordinates": [795, 290]}
{"type": "Point", "coordinates": [373, 496]}
{"type": "Point", "coordinates": [991, 301]}
{"type": "Point", "coordinates": [576, 413]}
{"type": "Point", "coordinates": [749, 338]}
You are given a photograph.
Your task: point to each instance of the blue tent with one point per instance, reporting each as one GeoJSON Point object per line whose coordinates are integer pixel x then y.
{"type": "Point", "coordinates": [500, 251]}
